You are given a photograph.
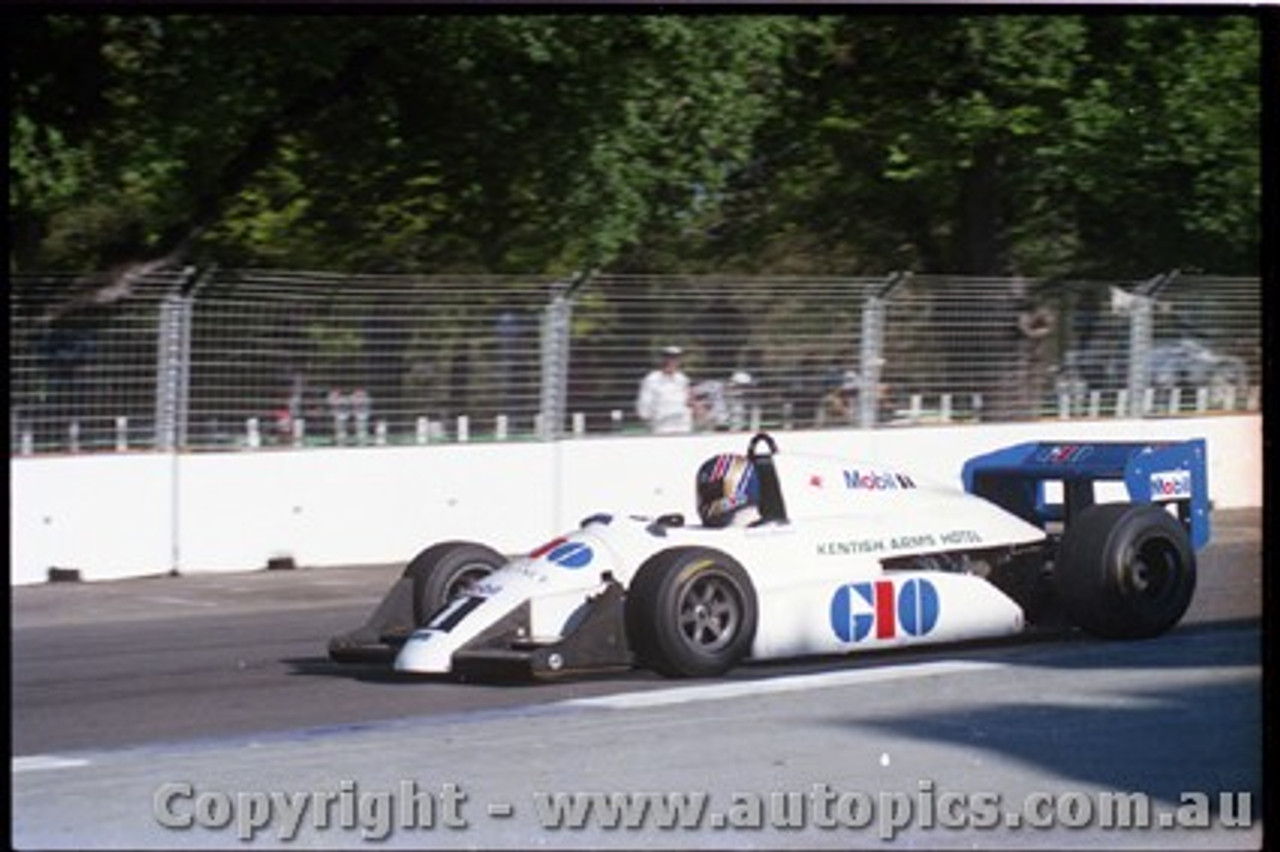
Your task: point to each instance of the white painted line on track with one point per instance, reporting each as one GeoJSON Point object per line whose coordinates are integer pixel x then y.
{"type": "Point", "coordinates": [635, 700]}
{"type": "Point", "coordinates": [789, 683]}
{"type": "Point", "coordinates": [38, 762]}
{"type": "Point", "coordinates": [180, 601]}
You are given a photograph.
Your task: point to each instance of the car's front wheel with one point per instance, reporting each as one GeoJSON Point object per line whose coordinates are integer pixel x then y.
{"type": "Point", "coordinates": [691, 612]}
{"type": "Point", "coordinates": [444, 571]}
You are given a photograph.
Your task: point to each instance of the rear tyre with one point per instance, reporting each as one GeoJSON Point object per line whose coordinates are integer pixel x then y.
{"type": "Point", "coordinates": [444, 571]}
{"type": "Point", "coordinates": [1125, 571]}
{"type": "Point", "coordinates": [691, 612]}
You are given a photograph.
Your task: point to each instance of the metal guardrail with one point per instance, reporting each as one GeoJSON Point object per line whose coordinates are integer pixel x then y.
{"type": "Point", "coordinates": [221, 359]}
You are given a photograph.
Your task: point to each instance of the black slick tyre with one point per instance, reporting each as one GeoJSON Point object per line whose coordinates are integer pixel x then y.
{"type": "Point", "coordinates": [691, 612]}
{"type": "Point", "coordinates": [1125, 571]}
{"type": "Point", "coordinates": [443, 571]}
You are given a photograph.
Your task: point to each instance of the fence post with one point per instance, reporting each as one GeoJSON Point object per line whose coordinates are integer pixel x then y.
{"type": "Point", "coordinates": [168, 372]}
{"type": "Point", "coordinates": [556, 327]}
{"type": "Point", "coordinates": [1139, 353]}
{"type": "Point", "coordinates": [1141, 326]}
{"type": "Point", "coordinates": [173, 364]}
{"type": "Point", "coordinates": [173, 391]}
{"type": "Point", "coordinates": [871, 357]}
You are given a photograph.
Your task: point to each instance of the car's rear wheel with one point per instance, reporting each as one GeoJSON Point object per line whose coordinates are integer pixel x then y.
{"type": "Point", "coordinates": [1125, 571]}
{"type": "Point", "coordinates": [445, 571]}
{"type": "Point", "coordinates": [691, 612]}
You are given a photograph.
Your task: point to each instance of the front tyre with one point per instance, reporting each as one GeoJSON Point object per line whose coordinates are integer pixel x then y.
{"type": "Point", "coordinates": [1125, 571]}
{"type": "Point", "coordinates": [444, 571]}
{"type": "Point", "coordinates": [691, 612]}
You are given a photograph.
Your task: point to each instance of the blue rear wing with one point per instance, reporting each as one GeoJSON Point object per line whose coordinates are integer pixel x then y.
{"type": "Point", "coordinates": [1015, 477]}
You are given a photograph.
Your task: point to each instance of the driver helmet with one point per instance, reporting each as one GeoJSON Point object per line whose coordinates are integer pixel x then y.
{"type": "Point", "coordinates": [728, 491]}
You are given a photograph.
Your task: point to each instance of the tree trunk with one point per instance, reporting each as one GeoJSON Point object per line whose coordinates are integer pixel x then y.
{"type": "Point", "coordinates": [981, 239]}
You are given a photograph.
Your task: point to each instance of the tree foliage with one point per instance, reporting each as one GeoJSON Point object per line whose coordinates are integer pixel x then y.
{"type": "Point", "coordinates": [1048, 143]}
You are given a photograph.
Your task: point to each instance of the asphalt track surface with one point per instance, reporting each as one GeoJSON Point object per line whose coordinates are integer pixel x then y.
{"type": "Point", "coordinates": [221, 682]}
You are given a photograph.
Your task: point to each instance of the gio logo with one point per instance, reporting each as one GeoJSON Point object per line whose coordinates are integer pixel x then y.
{"type": "Point", "coordinates": [880, 607]}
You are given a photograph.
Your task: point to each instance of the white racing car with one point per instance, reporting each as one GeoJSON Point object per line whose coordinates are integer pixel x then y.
{"type": "Point", "coordinates": [802, 555]}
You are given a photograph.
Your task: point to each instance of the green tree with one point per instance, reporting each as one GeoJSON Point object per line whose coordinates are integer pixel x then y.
{"type": "Point", "coordinates": [489, 142]}
{"type": "Point", "coordinates": [1109, 144]}
{"type": "Point", "coordinates": [1051, 144]}
{"type": "Point", "coordinates": [1165, 147]}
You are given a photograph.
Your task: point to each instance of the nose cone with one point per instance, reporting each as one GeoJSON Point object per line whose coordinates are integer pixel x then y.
{"type": "Point", "coordinates": [430, 649]}
{"type": "Point", "coordinates": [427, 652]}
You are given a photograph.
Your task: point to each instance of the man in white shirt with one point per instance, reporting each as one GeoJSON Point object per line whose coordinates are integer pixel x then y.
{"type": "Point", "coordinates": [664, 402]}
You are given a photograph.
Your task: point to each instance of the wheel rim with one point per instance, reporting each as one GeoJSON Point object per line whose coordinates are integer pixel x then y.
{"type": "Point", "coordinates": [466, 577]}
{"type": "Point", "coordinates": [1151, 569]}
{"type": "Point", "coordinates": [710, 612]}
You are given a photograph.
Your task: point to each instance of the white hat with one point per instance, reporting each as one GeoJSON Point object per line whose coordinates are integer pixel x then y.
{"type": "Point", "coordinates": [741, 377]}
{"type": "Point", "coordinates": [852, 381]}
{"type": "Point", "coordinates": [672, 351]}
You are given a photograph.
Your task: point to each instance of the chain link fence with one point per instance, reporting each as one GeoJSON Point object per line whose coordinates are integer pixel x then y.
{"type": "Point", "coordinates": [312, 359]}
{"type": "Point", "coordinates": [758, 352]}
{"type": "Point", "coordinates": [83, 360]}
{"type": "Point", "coordinates": [1010, 349]}
{"type": "Point", "coordinates": [222, 359]}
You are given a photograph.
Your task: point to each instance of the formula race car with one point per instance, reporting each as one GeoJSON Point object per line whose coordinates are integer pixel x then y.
{"type": "Point", "coordinates": [802, 555]}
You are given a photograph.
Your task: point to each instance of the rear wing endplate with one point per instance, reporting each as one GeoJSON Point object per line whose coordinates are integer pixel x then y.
{"type": "Point", "coordinates": [1152, 472]}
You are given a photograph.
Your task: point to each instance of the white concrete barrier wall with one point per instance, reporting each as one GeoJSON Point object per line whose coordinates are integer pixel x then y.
{"type": "Point", "coordinates": [132, 515]}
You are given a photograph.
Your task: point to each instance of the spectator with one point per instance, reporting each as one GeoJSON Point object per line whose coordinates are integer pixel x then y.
{"type": "Point", "coordinates": [290, 412]}
{"type": "Point", "coordinates": [721, 406]}
{"type": "Point", "coordinates": [736, 398]}
{"type": "Point", "coordinates": [1035, 324]}
{"type": "Point", "coordinates": [664, 402]}
{"type": "Point", "coordinates": [840, 404]}
{"type": "Point", "coordinates": [340, 410]}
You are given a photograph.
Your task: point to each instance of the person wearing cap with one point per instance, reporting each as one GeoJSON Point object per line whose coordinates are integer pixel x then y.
{"type": "Point", "coordinates": [663, 402]}
{"type": "Point", "coordinates": [721, 406]}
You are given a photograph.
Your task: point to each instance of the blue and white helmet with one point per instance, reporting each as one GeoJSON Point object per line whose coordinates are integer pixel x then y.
{"type": "Point", "coordinates": [727, 484]}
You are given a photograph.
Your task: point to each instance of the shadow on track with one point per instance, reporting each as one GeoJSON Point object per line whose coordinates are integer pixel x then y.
{"type": "Point", "coordinates": [1166, 716]}
{"type": "Point", "coordinates": [1163, 742]}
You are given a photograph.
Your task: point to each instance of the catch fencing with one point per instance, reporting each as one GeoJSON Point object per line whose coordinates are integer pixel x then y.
{"type": "Point", "coordinates": [221, 359]}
